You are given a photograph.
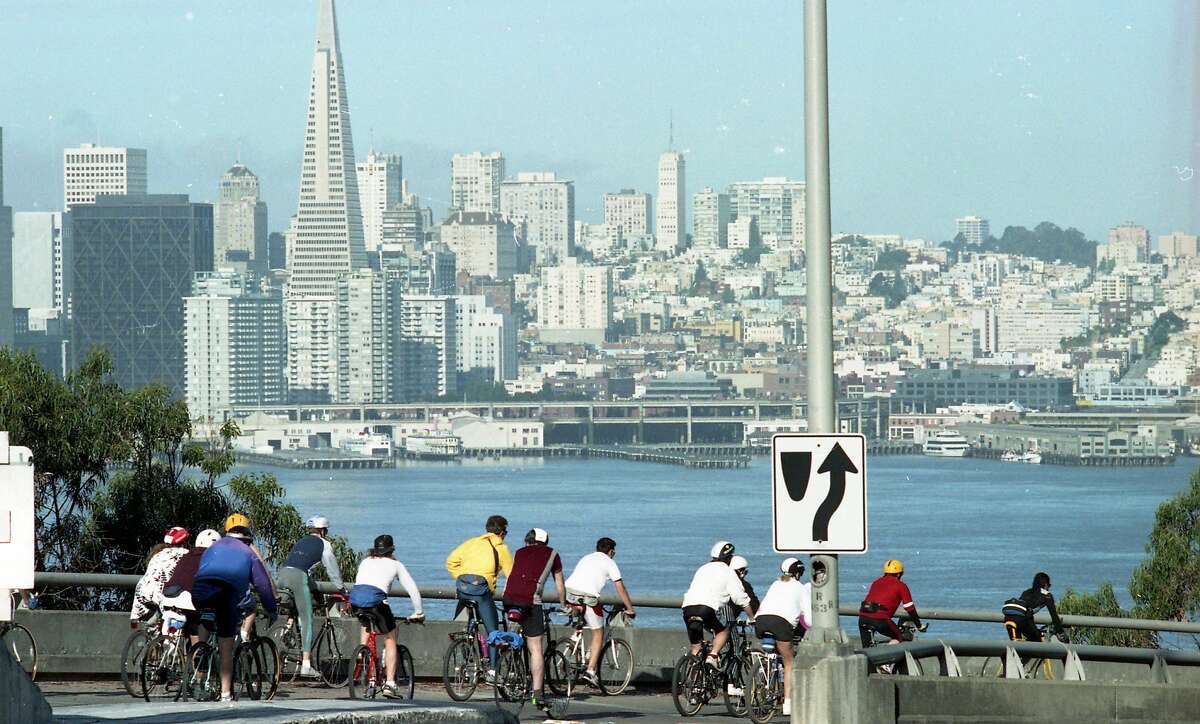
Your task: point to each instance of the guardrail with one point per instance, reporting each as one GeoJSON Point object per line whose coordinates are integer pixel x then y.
{"type": "Point", "coordinates": [110, 580]}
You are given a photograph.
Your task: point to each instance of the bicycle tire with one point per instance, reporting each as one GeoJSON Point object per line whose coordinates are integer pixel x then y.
{"type": "Point", "coordinates": [268, 656]}
{"type": "Point", "coordinates": [288, 642]}
{"type": "Point", "coordinates": [559, 680]}
{"type": "Point", "coordinates": [328, 660]}
{"type": "Point", "coordinates": [512, 687]}
{"type": "Point", "coordinates": [131, 662]}
{"type": "Point", "coordinates": [22, 647]}
{"type": "Point", "coordinates": [246, 674]}
{"type": "Point", "coordinates": [735, 670]}
{"type": "Point", "coordinates": [460, 669]}
{"type": "Point", "coordinates": [202, 680]}
{"type": "Point", "coordinates": [364, 679]}
{"type": "Point", "coordinates": [406, 673]}
{"type": "Point", "coordinates": [569, 664]}
{"type": "Point", "coordinates": [147, 671]}
{"type": "Point", "coordinates": [761, 704]}
{"type": "Point", "coordinates": [685, 687]}
{"type": "Point", "coordinates": [616, 666]}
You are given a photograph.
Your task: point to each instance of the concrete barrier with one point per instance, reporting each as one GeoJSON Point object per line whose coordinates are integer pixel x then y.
{"type": "Point", "coordinates": [20, 700]}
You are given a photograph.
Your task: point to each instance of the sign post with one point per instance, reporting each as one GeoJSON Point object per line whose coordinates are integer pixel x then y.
{"type": "Point", "coordinates": [16, 523]}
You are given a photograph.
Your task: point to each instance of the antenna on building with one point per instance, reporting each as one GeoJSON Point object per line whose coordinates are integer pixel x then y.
{"type": "Point", "coordinates": [371, 132]}
{"type": "Point", "coordinates": [671, 130]}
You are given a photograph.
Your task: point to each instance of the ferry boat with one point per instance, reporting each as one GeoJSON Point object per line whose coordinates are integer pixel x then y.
{"type": "Point", "coordinates": [368, 444]}
{"type": "Point", "coordinates": [433, 446]}
{"type": "Point", "coordinates": [946, 444]}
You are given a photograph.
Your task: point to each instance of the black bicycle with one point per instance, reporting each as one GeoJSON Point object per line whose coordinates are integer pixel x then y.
{"type": "Point", "coordinates": [327, 657]}
{"type": "Point", "coordinates": [465, 663]}
{"type": "Point", "coordinates": [514, 678]}
{"type": "Point", "coordinates": [695, 683]}
{"type": "Point", "coordinates": [908, 631]}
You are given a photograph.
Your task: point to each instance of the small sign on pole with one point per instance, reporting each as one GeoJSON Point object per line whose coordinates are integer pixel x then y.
{"type": "Point", "coordinates": [819, 493]}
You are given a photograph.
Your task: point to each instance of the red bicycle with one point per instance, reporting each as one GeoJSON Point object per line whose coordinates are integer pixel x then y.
{"type": "Point", "coordinates": [367, 670]}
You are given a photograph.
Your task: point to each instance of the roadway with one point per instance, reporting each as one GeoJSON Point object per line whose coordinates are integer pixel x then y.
{"type": "Point", "coordinates": [104, 700]}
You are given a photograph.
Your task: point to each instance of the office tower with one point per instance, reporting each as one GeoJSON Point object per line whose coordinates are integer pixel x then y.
{"type": "Point", "coordinates": [575, 302]}
{"type": "Point", "coordinates": [326, 235]}
{"type": "Point", "coordinates": [404, 226]}
{"type": "Point", "coordinates": [428, 347]}
{"type": "Point", "coordinates": [484, 244]}
{"type": "Point", "coordinates": [710, 219]}
{"type": "Point", "coordinates": [132, 260]}
{"type": "Point", "coordinates": [38, 248]}
{"type": "Point", "coordinates": [545, 205]}
{"type": "Point", "coordinates": [239, 222]}
{"type": "Point", "coordinates": [777, 206]}
{"type": "Point", "coordinates": [379, 181]}
{"type": "Point", "coordinates": [487, 340]}
{"type": "Point", "coordinates": [974, 229]}
{"type": "Point", "coordinates": [628, 211]}
{"type": "Point", "coordinates": [365, 368]}
{"type": "Point", "coordinates": [670, 206]}
{"type": "Point", "coordinates": [276, 250]}
{"type": "Point", "coordinates": [475, 181]}
{"type": "Point", "coordinates": [1177, 244]}
{"type": "Point", "coordinates": [90, 170]}
{"type": "Point", "coordinates": [234, 344]}
{"type": "Point", "coordinates": [7, 328]}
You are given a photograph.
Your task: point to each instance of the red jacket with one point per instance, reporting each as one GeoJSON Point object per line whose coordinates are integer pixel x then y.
{"type": "Point", "coordinates": [889, 593]}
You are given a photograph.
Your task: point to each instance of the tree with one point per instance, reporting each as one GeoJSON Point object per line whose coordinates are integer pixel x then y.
{"type": "Point", "coordinates": [1164, 326]}
{"type": "Point", "coordinates": [893, 288]}
{"type": "Point", "coordinates": [1103, 603]}
{"type": "Point", "coordinates": [1046, 241]}
{"type": "Point", "coordinates": [891, 260]}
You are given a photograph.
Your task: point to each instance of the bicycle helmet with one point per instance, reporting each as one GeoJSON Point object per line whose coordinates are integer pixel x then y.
{"type": "Point", "coordinates": [794, 567]}
{"type": "Point", "coordinates": [175, 536]}
{"type": "Point", "coordinates": [737, 563]}
{"type": "Point", "coordinates": [207, 537]}
{"type": "Point", "coordinates": [383, 545]}
{"type": "Point", "coordinates": [317, 522]}
{"type": "Point", "coordinates": [722, 551]}
{"type": "Point", "coordinates": [893, 566]}
{"type": "Point", "coordinates": [236, 520]}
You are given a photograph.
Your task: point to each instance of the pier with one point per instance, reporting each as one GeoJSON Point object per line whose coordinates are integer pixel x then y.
{"type": "Point", "coordinates": [669, 455]}
{"type": "Point", "coordinates": [314, 460]}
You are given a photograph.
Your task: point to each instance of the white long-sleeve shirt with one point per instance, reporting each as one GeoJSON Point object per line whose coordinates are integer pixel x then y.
{"type": "Point", "coordinates": [790, 600]}
{"type": "Point", "coordinates": [714, 585]}
{"type": "Point", "coordinates": [380, 572]}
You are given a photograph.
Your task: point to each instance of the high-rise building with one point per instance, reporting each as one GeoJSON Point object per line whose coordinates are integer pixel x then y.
{"type": "Point", "coordinates": [132, 260]}
{"type": "Point", "coordinates": [38, 248]}
{"type": "Point", "coordinates": [710, 219]}
{"type": "Point", "coordinates": [484, 244]}
{"type": "Point", "coordinates": [574, 297]}
{"type": "Point", "coordinates": [487, 339]}
{"type": "Point", "coordinates": [432, 271]}
{"type": "Point", "coordinates": [326, 235]}
{"type": "Point", "coordinates": [475, 180]}
{"type": "Point", "coordinates": [7, 325]}
{"type": "Point", "coordinates": [743, 233]}
{"type": "Point", "coordinates": [628, 211]}
{"type": "Point", "coordinates": [379, 181]}
{"type": "Point", "coordinates": [428, 347]}
{"type": "Point", "coordinates": [544, 205]}
{"type": "Point", "coordinates": [239, 222]}
{"type": "Point", "coordinates": [406, 226]}
{"type": "Point", "coordinates": [1177, 244]}
{"type": "Point", "coordinates": [671, 204]}
{"type": "Point", "coordinates": [234, 344]}
{"type": "Point", "coordinates": [276, 250]}
{"type": "Point", "coordinates": [310, 347]}
{"type": "Point", "coordinates": [90, 170]}
{"type": "Point", "coordinates": [1130, 234]}
{"type": "Point", "coordinates": [975, 230]}
{"type": "Point", "coordinates": [365, 366]}
{"type": "Point", "coordinates": [777, 206]}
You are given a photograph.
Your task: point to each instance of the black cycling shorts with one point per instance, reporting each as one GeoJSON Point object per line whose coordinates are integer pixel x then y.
{"type": "Point", "coordinates": [699, 618]}
{"type": "Point", "coordinates": [219, 596]}
{"type": "Point", "coordinates": [381, 614]}
{"type": "Point", "coordinates": [886, 626]}
{"type": "Point", "coordinates": [1023, 627]}
{"type": "Point", "coordinates": [533, 619]}
{"type": "Point", "coordinates": [777, 626]}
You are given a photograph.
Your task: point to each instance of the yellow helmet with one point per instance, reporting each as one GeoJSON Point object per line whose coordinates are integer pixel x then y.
{"type": "Point", "coordinates": [237, 520]}
{"type": "Point", "coordinates": [893, 566]}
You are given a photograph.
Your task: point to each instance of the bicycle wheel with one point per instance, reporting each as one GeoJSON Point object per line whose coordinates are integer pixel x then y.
{"type": "Point", "coordinates": [460, 669]}
{"type": "Point", "coordinates": [149, 670]}
{"type": "Point", "coordinates": [735, 685]}
{"type": "Point", "coordinates": [616, 666]}
{"type": "Point", "coordinates": [202, 677]}
{"type": "Point", "coordinates": [406, 673]}
{"type": "Point", "coordinates": [687, 685]}
{"type": "Point", "coordinates": [512, 682]}
{"type": "Point", "coordinates": [761, 704]}
{"type": "Point", "coordinates": [246, 671]}
{"type": "Point", "coordinates": [993, 667]}
{"type": "Point", "coordinates": [22, 647]}
{"type": "Point", "coordinates": [559, 678]}
{"type": "Point", "coordinates": [268, 663]}
{"type": "Point", "coordinates": [131, 662]}
{"type": "Point", "coordinates": [286, 635]}
{"type": "Point", "coordinates": [328, 659]}
{"type": "Point", "coordinates": [364, 679]}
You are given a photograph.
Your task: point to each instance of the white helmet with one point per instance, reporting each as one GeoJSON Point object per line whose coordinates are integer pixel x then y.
{"type": "Point", "coordinates": [207, 537]}
{"type": "Point", "coordinates": [792, 566]}
{"type": "Point", "coordinates": [738, 563]}
{"type": "Point", "coordinates": [722, 550]}
{"type": "Point", "coordinates": [318, 521]}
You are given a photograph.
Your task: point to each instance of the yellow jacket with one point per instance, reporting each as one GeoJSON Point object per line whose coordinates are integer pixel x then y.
{"type": "Point", "coordinates": [474, 557]}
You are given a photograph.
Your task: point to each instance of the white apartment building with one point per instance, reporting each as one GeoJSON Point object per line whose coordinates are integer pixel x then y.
{"type": "Point", "coordinates": [239, 222]}
{"type": "Point", "coordinates": [946, 340]}
{"type": "Point", "coordinates": [1040, 324]}
{"type": "Point", "coordinates": [628, 211]}
{"type": "Point", "coordinates": [1177, 244]}
{"type": "Point", "coordinates": [1130, 233]}
{"type": "Point", "coordinates": [601, 240]}
{"type": "Point", "coordinates": [975, 230]}
{"type": "Point", "coordinates": [710, 219]}
{"type": "Point", "coordinates": [487, 338]}
{"type": "Point", "coordinates": [475, 180]}
{"type": "Point", "coordinates": [364, 364]}
{"type": "Point", "coordinates": [545, 206]}
{"type": "Point", "coordinates": [777, 206]}
{"type": "Point", "coordinates": [428, 346]}
{"type": "Point", "coordinates": [91, 170]}
{"type": "Point", "coordinates": [484, 244]}
{"type": "Point", "coordinates": [310, 322]}
{"type": "Point", "coordinates": [38, 248]}
{"type": "Point", "coordinates": [742, 233]}
{"type": "Point", "coordinates": [233, 345]}
{"type": "Point", "coordinates": [380, 179]}
{"type": "Point", "coordinates": [671, 204]}
{"type": "Point", "coordinates": [575, 298]}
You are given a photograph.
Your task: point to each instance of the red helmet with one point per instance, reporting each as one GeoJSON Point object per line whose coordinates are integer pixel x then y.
{"type": "Point", "coordinates": [175, 536]}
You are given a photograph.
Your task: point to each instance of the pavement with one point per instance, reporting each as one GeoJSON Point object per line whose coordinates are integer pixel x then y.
{"type": "Point", "coordinates": [86, 701]}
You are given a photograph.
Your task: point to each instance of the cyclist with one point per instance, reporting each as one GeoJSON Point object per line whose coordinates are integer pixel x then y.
{"type": "Point", "coordinates": [886, 594]}
{"type": "Point", "coordinates": [159, 565]}
{"type": "Point", "coordinates": [370, 594]}
{"type": "Point", "coordinates": [785, 614]}
{"type": "Point", "coordinates": [713, 585]}
{"type": "Point", "coordinates": [475, 565]}
{"type": "Point", "coordinates": [237, 526]}
{"type": "Point", "coordinates": [583, 589]}
{"type": "Point", "coordinates": [227, 570]}
{"type": "Point", "coordinates": [741, 567]}
{"type": "Point", "coordinates": [532, 565]}
{"type": "Point", "coordinates": [310, 550]}
{"type": "Point", "coordinates": [177, 594]}
{"type": "Point", "coordinates": [1019, 611]}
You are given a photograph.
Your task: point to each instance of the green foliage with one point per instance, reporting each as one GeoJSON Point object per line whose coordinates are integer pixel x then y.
{"type": "Point", "coordinates": [1164, 326]}
{"type": "Point", "coordinates": [1046, 241]}
{"type": "Point", "coordinates": [1167, 584]}
{"type": "Point", "coordinates": [1103, 603]}
{"type": "Point", "coordinates": [751, 254]}
{"type": "Point", "coordinates": [893, 288]}
{"type": "Point", "coordinates": [892, 260]}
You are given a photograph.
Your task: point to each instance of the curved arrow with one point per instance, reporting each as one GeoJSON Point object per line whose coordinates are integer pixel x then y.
{"type": "Point", "coordinates": [837, 463]}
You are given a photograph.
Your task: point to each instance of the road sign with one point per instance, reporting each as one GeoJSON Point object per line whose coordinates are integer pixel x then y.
{"type": "Point", "coordinates": [819, 493]}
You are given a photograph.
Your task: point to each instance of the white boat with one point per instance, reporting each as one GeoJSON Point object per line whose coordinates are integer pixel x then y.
{"type": "Point", "coordinates": [433, 446]}
{"type": "Point", "coordinates": [368, 444]}
{"type": "Point", "coordinates": [946, 444]}
{"type": "Point", "coordinates": [1031, 457]}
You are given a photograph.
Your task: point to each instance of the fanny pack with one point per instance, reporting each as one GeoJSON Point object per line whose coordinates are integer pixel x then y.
{"type": "Point", "coordinates": [471, 585]}
{"type": "Point", "coordinates": [364, 595]}
{"type": "Point", "coordinates": [586, 599]}
{"type": "Point", "coordinates": [1015, 608]}
{"type": "Point", "coordinates": [869, 607]}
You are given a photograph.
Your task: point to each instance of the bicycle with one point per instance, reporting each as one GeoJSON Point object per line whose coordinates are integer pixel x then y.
{"type": "Point", "coordinates": [1030, 669]}
{"type": "Point", "coordinates": [367, 672]}
{"type": "Point", "coordinates": [694, 683]}
{"type": "Point", "coordinates": [327, 659]}
{"type": "Point", "coordinates": [134, 651]}
{"type": "Point", "coordinates": [616, 657]}
{"type": "Point", "coordinates": [766, 682]}
{"type": "Point", "coordinates": [514, 678]}
{"type": "Point", "coordinates": [257, 666]}
{"type": "Point", "coordinates": [465, 663]}
{"type": "Point", "coordinates": [163, 667]}
{"type": "Point", "coordinates": [908, 632]}
{"type": "Point", "coordinates": [21, 646]}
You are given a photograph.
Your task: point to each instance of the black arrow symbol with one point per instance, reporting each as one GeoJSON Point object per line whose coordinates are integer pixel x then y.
{"type": "Point", "coordinates": [797, 466]}
{"type": "Point", "coordinates": [837, 463]}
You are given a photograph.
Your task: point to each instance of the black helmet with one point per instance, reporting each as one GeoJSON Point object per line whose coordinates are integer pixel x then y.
{"type": "Point", "coordinates": [383, 545]}
{"type": "Point", "coordinates": [1041, 580]}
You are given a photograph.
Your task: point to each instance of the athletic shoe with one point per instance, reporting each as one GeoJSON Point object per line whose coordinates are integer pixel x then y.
{"type": "Point", "coordinates": [787, 707]}
{"type": "Point", "coordinates": [591, 678]}
{"type": "Point", "coordinates": [734, 690]}
{"type": "Point", "coordinates": [391, 691]}
{"type": "Point", "coordinates": [308, 672]}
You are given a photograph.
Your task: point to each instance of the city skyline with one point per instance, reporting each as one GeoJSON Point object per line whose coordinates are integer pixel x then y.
{"type": "Point", "coordinates": [1032, 105]}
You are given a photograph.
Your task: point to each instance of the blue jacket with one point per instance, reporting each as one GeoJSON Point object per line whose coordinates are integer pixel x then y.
{"type": "Point", "coordinates": [231, 561]}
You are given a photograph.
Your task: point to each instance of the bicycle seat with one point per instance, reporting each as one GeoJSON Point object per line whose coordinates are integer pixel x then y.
{"type": "Point", "coordinates": [370, 618]}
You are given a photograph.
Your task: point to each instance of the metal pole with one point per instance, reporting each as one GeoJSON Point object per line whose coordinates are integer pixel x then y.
{"type": "Point", "coordinates": [819, 311]}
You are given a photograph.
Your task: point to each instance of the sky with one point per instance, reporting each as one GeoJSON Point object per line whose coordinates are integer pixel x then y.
{"type": "Point", "coordinates": [1076, 112]}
